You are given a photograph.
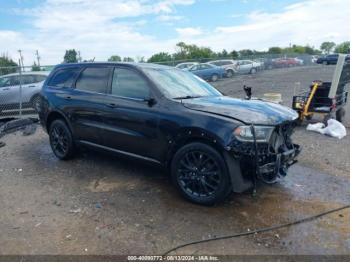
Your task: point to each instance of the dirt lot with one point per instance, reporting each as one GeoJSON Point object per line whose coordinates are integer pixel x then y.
{"type": "Point", "coordinates": [102, 204]}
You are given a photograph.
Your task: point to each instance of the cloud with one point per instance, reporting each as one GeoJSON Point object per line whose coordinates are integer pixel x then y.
{"type": "Point", "coordinates": [189, 32]}
{"type": "Point", "coordinates": [306, 22]}
{"type": "Point", "coordinates": [169, 18]}
{"type": "Point", "coordinates": [106, 27]}
{"type": "Point", "coordinates": [96, 28]}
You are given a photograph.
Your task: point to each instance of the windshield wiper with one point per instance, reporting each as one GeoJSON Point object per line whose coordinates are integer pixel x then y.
{"type": "Point", "coordinates": [186, 97]}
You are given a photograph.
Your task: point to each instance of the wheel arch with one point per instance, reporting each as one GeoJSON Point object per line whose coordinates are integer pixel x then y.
{"type": "Point", "coordinates": [191, 135]}
{"type": "Point", "coordinates": [54, 115]}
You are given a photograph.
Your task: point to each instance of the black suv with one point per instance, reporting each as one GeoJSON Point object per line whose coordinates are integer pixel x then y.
{"type": "Point", "coordinates": [212, 144]}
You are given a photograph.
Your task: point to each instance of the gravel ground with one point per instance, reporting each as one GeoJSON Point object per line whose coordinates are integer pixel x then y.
{"type": "Point", "coordinates": [102, 204]}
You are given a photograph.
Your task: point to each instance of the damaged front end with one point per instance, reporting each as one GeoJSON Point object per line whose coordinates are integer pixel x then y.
{"type": "Point", "coordinates": [265, 152]}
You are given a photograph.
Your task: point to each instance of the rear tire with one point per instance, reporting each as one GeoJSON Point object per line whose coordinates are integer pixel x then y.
{"type": "Point", "coordinates": [214, 78]}
{"type": "Point", "coordinates": [61, 140]}
{"type": "Point", "coordinates": [199, 172]}
{"type": "Point", "coordinates": [340, 115]}
{"type": "Point", "coordinates": [229, 73]}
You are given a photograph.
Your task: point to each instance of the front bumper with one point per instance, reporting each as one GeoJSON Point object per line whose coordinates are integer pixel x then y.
{"type": "Point", "coordinates": [264, 161]}
{"type": "Point", "coordinates": [270, 172]}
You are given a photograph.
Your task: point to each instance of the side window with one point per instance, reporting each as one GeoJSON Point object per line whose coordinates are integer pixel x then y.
{"type": "Point", "coordinates": [64, 77]}
{"type": "Point", "coordinates": [5, 81]}
{"type": "Point", "coordinates": [15, 81]}
{"type": "Point", "coordinates": [195, 67]}
{"type": "Point", "coordinates": [93, 79]}
{"type": "Point", "coordinates": [28, 79]}
{"type": "Point", "coordinates": [128, 83]}
{"type": "Point", "coordinates": [39, 78]}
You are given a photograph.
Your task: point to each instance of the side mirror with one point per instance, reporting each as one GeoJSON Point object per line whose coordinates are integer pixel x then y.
{"type": "Point", "coordinates": [150, 101]}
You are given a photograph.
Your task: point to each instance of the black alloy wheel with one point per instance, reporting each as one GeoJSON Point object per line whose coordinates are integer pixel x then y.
{"type": "Point", "coordinates": [200, 174]}
{"type": "Point", "coordinates": [61, 140]}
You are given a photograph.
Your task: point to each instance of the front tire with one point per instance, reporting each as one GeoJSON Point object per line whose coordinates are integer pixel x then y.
{"type": "Point", "coordinates": [200, 174]}
{"type": "Point", "coordinates": [253, 71]}
{"type": "Point", "coordinates": [61, 140]}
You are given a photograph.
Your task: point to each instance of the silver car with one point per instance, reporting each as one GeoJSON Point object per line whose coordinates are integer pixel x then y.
{"type": "Point", "coordinates": [229, 65]}
{"type": "Point", "coordinates": [11, 93]}
{"type": "Point", "coordinates": [186, 66]}
{"type": "Point", "coordinates": [247, 67]}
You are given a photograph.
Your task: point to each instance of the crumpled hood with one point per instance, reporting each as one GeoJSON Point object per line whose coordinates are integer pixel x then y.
{"type": "Point", "coordinates": [248, 111]}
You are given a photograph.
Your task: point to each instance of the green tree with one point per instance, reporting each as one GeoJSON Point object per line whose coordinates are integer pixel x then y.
{"type": "Point", "coordinates": [234, 54]}
{"type": "Point", "coordinates": [343, 48]}
{"type": "Point", "coordinates": [71, 56]}
{"type": "Point", "coordinates": [185, 51]}
{"type": "Point", "coordinates": [246, 52]}
{"type": "Point", "coordinates": [159, 57]}
{"type": "Point", "coordinates": [35, 67]}
{"type": "Point", "coordinates": [298, 49]}
{"type": "Point", "coordinates": [128, 59]}
{"type": "Point", "coordinates": [223, 54]}
{"type": "Point", "coordinates": [115, 58]}
{"type": "Point", "coordinates": [5, 61]}
{"type": "Point", "coordinates": [327, 47]}
{"type": "Point", "coordinates": [275, 50]}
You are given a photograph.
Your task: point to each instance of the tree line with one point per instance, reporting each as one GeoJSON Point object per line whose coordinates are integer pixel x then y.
{"type": "Point", "coordinates": [185, 51]}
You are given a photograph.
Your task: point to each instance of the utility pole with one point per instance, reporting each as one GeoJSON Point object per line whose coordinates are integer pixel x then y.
{"type": "Point", "coordinates": [21, 58]}
{"type": "Point", "coordinates": [79, 57]}
{"type": "Point", "coordinates": [37, 57]}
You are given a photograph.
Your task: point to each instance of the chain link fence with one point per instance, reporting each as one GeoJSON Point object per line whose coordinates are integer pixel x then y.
{"type": "Point", "coordinates": [19, 90]}
{"type": "Point", "coordinates": [269, 61]}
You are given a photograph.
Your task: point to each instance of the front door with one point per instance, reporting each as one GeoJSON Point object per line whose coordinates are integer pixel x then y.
{"type": "Point", "coordinates": [131, 125]}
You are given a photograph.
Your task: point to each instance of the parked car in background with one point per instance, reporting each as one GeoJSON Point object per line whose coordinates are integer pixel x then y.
{"type": "Point", "coordinates": [230, 66]}
{"type": "Point", "coordinates": [299, 61]}
{"type": "Point", "coordinates": [259, 64]}
{"type": "Point", "coordinates": [11, 95]}
{"type": "Point", "coordinates": [212, 145]}
{"type": "Point", "coordinates": [247, 67]}
{"type": "Point", "coordinates": [285, 62]}
{"type": "Point", "coordinates": [330, 59]}
{"type": "Point", "coordinates": [186, 65]}
{"type": "Point", "coordinates": [208, 72]}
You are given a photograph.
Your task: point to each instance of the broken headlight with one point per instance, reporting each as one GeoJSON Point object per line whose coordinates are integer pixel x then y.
{"type": "Point", "coordinates": [245, 134]}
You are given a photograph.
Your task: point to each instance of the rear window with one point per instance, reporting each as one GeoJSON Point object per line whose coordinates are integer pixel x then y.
{"type": "Point", "coordinates": [64, 77]}
{"type": "Point", "coordinates": [93, 79]}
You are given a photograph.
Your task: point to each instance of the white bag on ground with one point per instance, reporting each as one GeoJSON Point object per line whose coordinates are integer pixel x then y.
{"type": "Point", "coordinates": [334, 128]}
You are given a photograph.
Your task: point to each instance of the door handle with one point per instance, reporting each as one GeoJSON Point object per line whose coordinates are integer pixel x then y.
{"type": "Point", "coordinates": [111, 105]}
{"type": "Point", "coordinates": [5, 89]}
{"type": "Point", "coordinates": [68, 97]}
{"type": "Point", "coordinates": [31, 86]}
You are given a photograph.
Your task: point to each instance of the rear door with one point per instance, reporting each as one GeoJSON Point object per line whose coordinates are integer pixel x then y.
{"type": "Point", "coordinates": [131, 125]}
{"type": "Point", "coordinates": [87, 103]}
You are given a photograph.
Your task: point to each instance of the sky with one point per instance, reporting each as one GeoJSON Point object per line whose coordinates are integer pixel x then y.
{"type": "Point", "coordinates": [136, 28]}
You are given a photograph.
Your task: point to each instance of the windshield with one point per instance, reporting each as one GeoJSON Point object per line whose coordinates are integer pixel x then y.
{"type": "Point", "coordinates": [175, 83]}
